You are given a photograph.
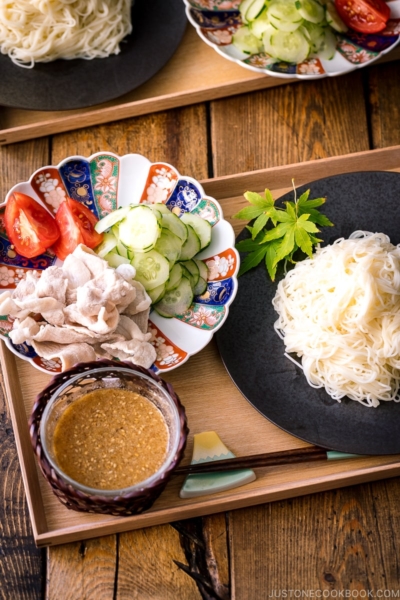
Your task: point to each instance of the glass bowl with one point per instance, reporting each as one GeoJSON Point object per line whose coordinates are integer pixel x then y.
{"type": "Point", "coordinates": [66, 388]}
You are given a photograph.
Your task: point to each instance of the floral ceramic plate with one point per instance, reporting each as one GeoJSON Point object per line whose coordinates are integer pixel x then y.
{"type": "Point", "coordinates": [217, 20]}
{"type": "Point", "coordinates": [104, 182]}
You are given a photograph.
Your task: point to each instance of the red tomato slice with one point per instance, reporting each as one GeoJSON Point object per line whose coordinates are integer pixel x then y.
{"type": "Point", "coordinates": [364, 16]}
{"type": "Point", "coordinates": [76, 223]}
{"type": "Point", "coordinates": [30, 227]}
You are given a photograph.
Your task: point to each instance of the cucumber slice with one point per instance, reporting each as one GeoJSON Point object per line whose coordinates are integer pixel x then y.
{"type": "Point", "coordinates": [315, 35]}
{"type": "Point", "coordinates": [254, 10]}
{"type": "Point", "coordinates": [328, 47]}
{"type": "Point", "coordinates": [285, 25]}
{"type": "Point", "coordinates": [203, 269]}
{"type": "Point", "coordinates": [177, 301]}
{"type": "Point", "coordinates": [268, 33]}
{"type": "Point", "coordinates": [200, 287]}
{"type": "Point", "coordinates": [282, 10]}
{"type": "Point", "coordinates": [115, 260]}
{"type": "Point", "coordinates": [258, 26]}
{"type": "Point", "coordinates": [201, 227]}
{"type": "Point", "coordinates": [246, 41]}
{"type": "Point", "coordinates": [175, 277]}
{"type": "Point", "coordinates": [290, 47]}
{"type": "Point", "coordinates": [157, 213]}
{"type": "Point", "coordinates": [139, 231]}
{"type": "Point", "coordinates": [111, 219]}
{"type": "Point", "coordinates": [157, 293]}
{"type": "Point", "coordinates": [333, 19]}
{"type": "Point", "coordinates": [311, 11]}
{"type": "Point", "coordinates": [109, 243]}
{"type": "Point", "coordinates": [122, 250]}
{"type": "Point", "coordinates": [175, 225]}
{"type": "Point", "coordinates": [192, 245]}
{"type": "Point", "coordinates": [152, 269]}
{"type": "Point", "coordinates": [159, 207]}
{"type": "Point", "coordinates": [186, 273]}
{"type": "Point", "coordinates": [193, 269]}
{"type": "Point", "coordinates": [244, 7]}
{"type": "Point", "coordinates": [169, 245]}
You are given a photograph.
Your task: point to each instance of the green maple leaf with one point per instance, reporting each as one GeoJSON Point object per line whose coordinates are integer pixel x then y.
{"type": "Point", "coordinates": [286, 245]}
{"type": "Point", "coordinates": [249, 212]}
{"type": "Point", "coordinates": [303, 240]}
{"type": "Point", "coordinates": [277, 232]}
{"type": "Point", "coordinates": [252, 260]}
{"type": "Point", "coordinates": [270, 258]}
{"type": "Point", "coordinates": [293, 229]}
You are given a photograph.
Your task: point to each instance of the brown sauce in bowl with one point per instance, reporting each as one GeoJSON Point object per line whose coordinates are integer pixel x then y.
{"type": "Point", "coordinates": [110, 439]}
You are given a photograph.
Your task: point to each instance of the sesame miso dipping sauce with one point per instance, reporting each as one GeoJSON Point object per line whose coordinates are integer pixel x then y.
{"type": "Point", "coordinates": [111, 439]}
{"type": "Point", "coordinates": [108, 436]}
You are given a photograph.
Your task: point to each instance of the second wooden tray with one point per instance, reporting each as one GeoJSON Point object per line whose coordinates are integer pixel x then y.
{"type": "Point", "coordinates": [211, 400]}
{"type": "Point", "coordinates": [196, 73]}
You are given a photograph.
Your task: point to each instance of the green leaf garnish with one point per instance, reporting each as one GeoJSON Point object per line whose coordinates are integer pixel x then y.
{"type": "Point", "coordinates": [280, 234]}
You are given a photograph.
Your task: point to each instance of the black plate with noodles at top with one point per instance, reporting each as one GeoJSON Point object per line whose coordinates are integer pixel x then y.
{"type": "Point", "coordinates": [158, 27]}
{"type": "Point", "coordinates": [254, 354]}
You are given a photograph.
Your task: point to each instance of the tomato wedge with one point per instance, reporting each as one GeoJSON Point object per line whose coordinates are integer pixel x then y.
{"type": "Point", "coordinates": [30, 227]}
{"type": "Point", "coordinates": [76, 224]}
{"type": "Point", "coordinates": [364, 16]}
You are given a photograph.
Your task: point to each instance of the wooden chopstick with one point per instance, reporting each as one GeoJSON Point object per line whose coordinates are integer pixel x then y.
{"type": "Point", "coordinates": [254, 461]}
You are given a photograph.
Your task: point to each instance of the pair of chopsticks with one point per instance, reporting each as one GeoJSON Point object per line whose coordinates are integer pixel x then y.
{"type": "Point", "coordinates": [271, 459]}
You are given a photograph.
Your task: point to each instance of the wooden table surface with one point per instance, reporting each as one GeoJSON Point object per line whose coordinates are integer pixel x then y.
{"type": "Point", "coordinates": [332, 544]}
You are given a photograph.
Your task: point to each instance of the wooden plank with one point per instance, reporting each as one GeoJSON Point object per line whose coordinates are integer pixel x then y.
{"type": "Point", "coordinates": [340, 540]}
{"type": "Point", "coordinates": [384, 87]}
{"type": "Point", "coordinates": [146, 567]}
{"type": "Point", "coordinates": [217, 553]}
{"type": "Point", "coordinates": [87, 569]}
{"type": "Point", "coordinates": [287, 125]}
{"type": "Point", "coordinates": [178, 137]}
{"type": "Point", "coordinates": [195, 73]}
{"type": "Point", "coordinates": [21, 564]}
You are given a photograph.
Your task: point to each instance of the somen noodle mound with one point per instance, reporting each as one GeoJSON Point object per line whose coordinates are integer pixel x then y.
{"type": "Point", "coordinates": [340, 312]}
{"type": "Point", "coordinates": [44, 30]}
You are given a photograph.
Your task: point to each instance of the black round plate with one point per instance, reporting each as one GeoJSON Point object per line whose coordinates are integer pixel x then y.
{"type": "Point", "coordinates": [253, 352]}
{"type": "Point", "coordinates": [158, 27]}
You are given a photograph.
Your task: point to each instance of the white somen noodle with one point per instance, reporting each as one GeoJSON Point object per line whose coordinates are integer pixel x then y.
{"type": "Point", "coordinates": [340, 312]}
{"type": "Point", "coordinates": [44, 30]}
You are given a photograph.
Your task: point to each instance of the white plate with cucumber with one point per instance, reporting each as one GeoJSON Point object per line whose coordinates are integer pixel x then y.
{"type": "Point", "coordinates": [155, 219]}
{"type": "Point", "coordinates": [303, 39]}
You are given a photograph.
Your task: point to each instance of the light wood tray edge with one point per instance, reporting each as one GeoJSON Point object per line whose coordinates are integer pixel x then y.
{"type": "Point", "coordinates": [209, 506]}
{"type": "Point", "coordinates": [226, 190]}
{"type": "Point", "coordinates": [279, 178]}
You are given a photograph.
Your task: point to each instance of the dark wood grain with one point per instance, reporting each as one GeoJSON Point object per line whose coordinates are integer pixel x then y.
{"type": "Point", "coordinates": [384, 93]}
{"type": "Point", "coordinates": [148, 566]}
{"type": "Point", "coordinates": [21, 563]}
{"type": "Point", "coordinates": [177, 136]}
{"type": "Point", "coordinates": [341, 540]}
{"type": "Point", "coordinates": [82, 570]}
{"type": "Point", "coordinates": [289, 124]}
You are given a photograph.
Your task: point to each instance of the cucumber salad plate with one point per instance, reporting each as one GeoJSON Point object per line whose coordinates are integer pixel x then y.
{"type": "Point", "coordinates": [303, 39]}
{"type": "Point", "coordinates": [160, 222]}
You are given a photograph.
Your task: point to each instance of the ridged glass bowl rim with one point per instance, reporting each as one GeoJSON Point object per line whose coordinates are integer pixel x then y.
{"type": "Point", "coordinates": [142, 485]}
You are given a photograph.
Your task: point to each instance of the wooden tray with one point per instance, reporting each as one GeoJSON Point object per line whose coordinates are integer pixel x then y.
{"type": "Point", "coordinates": [212, 403]}
{"type": "Point", "coordinates": [196, 73]}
